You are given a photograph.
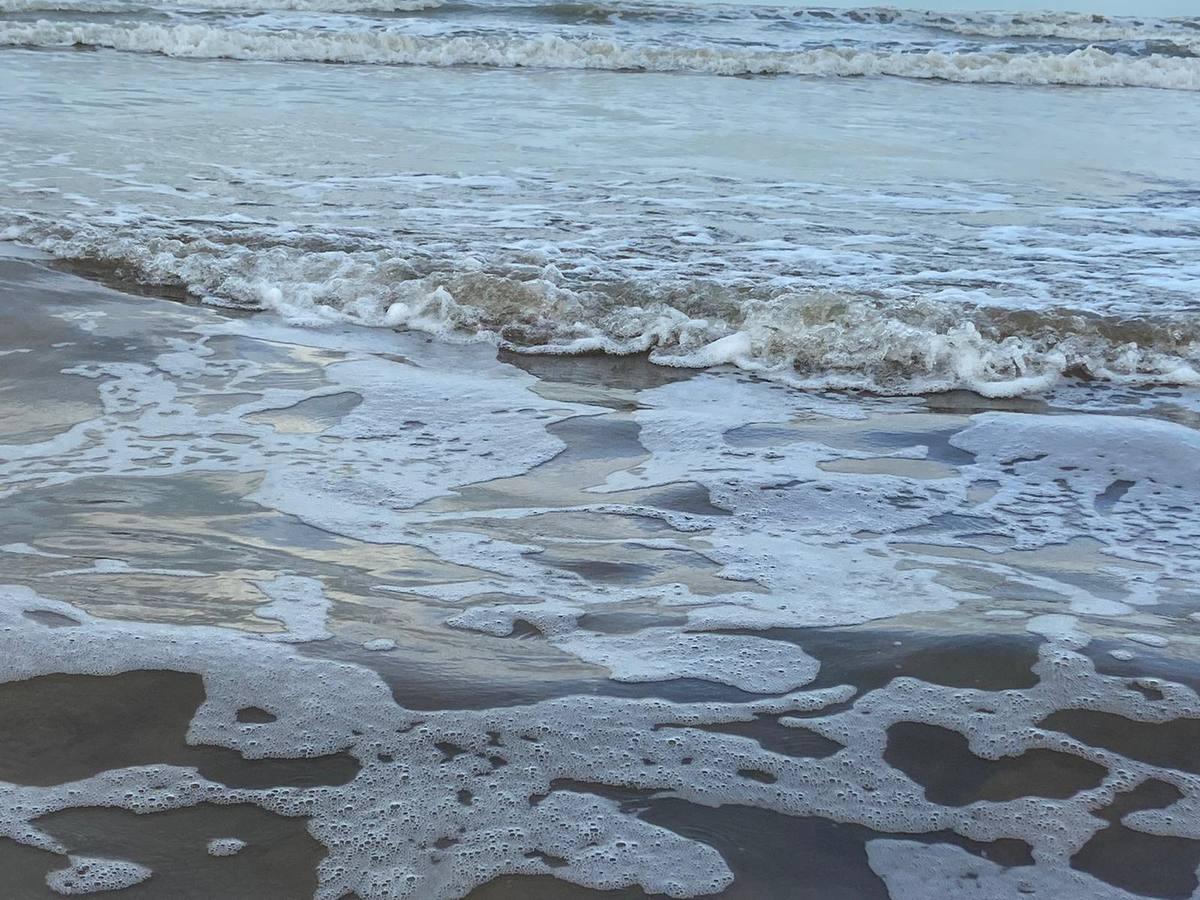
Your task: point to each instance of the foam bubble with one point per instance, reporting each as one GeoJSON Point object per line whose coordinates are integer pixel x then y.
{"type": "Point", "coordinates": [225, 846]}
{"type": "Point", "coordinates": [93, 875]}
{"type": "Point", "coordinates": [379, 645]}
{"type": "Point", "coordinates": [299, 604]}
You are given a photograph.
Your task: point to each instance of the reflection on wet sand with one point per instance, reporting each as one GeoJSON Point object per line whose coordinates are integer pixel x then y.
{"type": "Point", "coordinates": [559, 629]}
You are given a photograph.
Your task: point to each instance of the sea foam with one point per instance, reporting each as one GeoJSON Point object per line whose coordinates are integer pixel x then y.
{"type": "Point", "coordinates": [807, 338]}
{"type": "Point", "coordinates": [1089, 66]}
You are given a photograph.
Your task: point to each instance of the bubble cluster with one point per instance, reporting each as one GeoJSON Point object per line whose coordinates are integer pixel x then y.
{"type": "Point", "coordinates": [448, 800]}
{"type": "Point", "coordinates": [89, 875]}
{"type": "Point", "coordinates": [225, 846]}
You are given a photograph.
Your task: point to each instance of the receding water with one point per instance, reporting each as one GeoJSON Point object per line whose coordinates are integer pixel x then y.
{"type": "Point", "coordinates": [502, 449]}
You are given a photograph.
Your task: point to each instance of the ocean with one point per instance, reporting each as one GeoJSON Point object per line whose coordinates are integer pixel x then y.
{"type": "Point", "coordinates": [543, 176]}
{"type": "Point", "coordinates": [519, 449]}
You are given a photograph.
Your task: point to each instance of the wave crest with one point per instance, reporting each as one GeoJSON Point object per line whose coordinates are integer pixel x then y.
{"type": "Point", "coordinates": [129, 6]}
{"type": "Point", "coordinates": [1090, 66]}
{"type": "Point", "coordinates": [1066, 26]}
{"type": "Point", "coordinates": [806, 338]}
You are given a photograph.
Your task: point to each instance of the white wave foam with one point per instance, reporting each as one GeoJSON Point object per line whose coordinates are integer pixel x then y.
{"type": "Point", "coordinates": [1085, 67]}
{"type": "Point", "coordinates": [1081, 27]}
{"type": "Point", "coordinates": [814, 340]}
{"type": "Point", "coordinates": [1066, 26]}
{"type": "Point", "coordinates": [127, 6]}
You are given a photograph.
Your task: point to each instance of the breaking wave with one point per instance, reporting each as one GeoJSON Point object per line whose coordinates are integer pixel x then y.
{"type": "Point", "coordinates": [1067, 26]}
{"type": "Point", "coordinates": [805, 338]}
{"type": "Point", "coordinates": [1089, 66]}
{"type": "Point", "coordinates": [1063, 25]}
{"type": "Point", "coordinates": [131, 6]}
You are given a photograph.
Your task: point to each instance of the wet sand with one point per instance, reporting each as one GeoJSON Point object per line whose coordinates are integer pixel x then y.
{"type": "Point", "coordinates": [191, 546]}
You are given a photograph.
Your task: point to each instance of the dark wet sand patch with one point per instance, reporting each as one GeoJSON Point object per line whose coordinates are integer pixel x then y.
{"type": "Point", "coordinates": [1147, 662]}
{"type": "Point", "coordinates": [278, 862]}
{"type": "Point", "coordinates": [941, 761]}
{"type": "Point", "coordinates": [688, 497]}
{"type": "Point", "coordinates": [595, 447]}
{"type": "Point", "coordinates": [922, 469]}
{"type": "Point", "coordinates": [937, 442]}
{"type": "Point", "coordinates": [280, 356]}
{"type": "Point", "coordinates": [1174, 744]}
{"type": "Point", "coordinates": [940, 455]}
{"type": "Point", "coordinates": [634, 372]}
{"type": "Point", "coordinates": [434, 693]}
{"type": "Point", "coordinates": [635, 565]}
{"type": "Point", "coordinates": [514, 670]}
{"type": "Point", "coordinates": [628, 621]}
{"type": "Point", "coordinates": [589, 525]}
{"type": "Point", "coordinates": [255, 715]}
{"type": "Point", "coordinates": [966, 403]}
{"type": "Point", "coordinates": [61, 728]}
{"type": "Point", "coordinates": [869, 658]}
{"type": "Point", "coordinates": [863, 657]}
{"type": "Point", "coordinates": [1147, 864]}
{"type": "Point", "coordinates": [23, 871]}
{"type": "Point", "coordinates": [546, 887]}
{"type": "Point", "coordinates": [50, 619]}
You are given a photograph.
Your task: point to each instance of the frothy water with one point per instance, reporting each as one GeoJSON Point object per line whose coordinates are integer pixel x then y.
{"type": "Point", "coordinates": [826, 233]}
{"type": "Point", "coordinates": [709, 534]}
{"type": "Point", "coordinates": [733, 233]}
{"type": "Point", "coordinates": [1161, 64]}
{"type": "Point", "coordinates": [513, 449]}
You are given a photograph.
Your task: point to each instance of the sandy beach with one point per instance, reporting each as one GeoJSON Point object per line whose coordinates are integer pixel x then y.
{"type": "Point", "coordinates": [257, 591]}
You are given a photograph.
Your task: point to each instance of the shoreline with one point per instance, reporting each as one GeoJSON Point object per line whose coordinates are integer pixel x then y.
{"type": "Point", "coordinates": [902, 347]}
{"type": "Point", "coordinates": [593, 576]}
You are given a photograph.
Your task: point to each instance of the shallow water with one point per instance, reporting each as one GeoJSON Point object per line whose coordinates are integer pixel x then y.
{"type": "Point", "coordinates": [559, 450]}
{"type": "Point", "coordinates": [896, 200]}
{"type": "Point", "coordinates": [535, 627]}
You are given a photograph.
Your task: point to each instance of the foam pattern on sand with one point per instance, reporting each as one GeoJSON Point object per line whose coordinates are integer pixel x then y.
{"type": "Point", "coordinates": [90, 875]}
{"type": "Point", "coordinates": [454, 453]}
{"type": "Point", "coordinates": [1120, 480]}
{"type": "Point", "coordinates": [715, 502]}
{"type": "Point", "coordinates": [414, 823]}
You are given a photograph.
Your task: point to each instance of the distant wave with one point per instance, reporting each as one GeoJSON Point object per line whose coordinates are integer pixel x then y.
{"type": "Point", "coordinates": [1069, 26]}
{"type": "Point", "coordinates": [809, 338]}
{"type": "Point", "coordinates": [131, 6]}
{"type": "Point", "coordinates": [1179, 36]}
{"type": "Point", "coordinates": [1076, 25]}
{"type": "Point", "coordinates": [1085, 27]}
{"type": "Point", "coordinates": [1090, 66]}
